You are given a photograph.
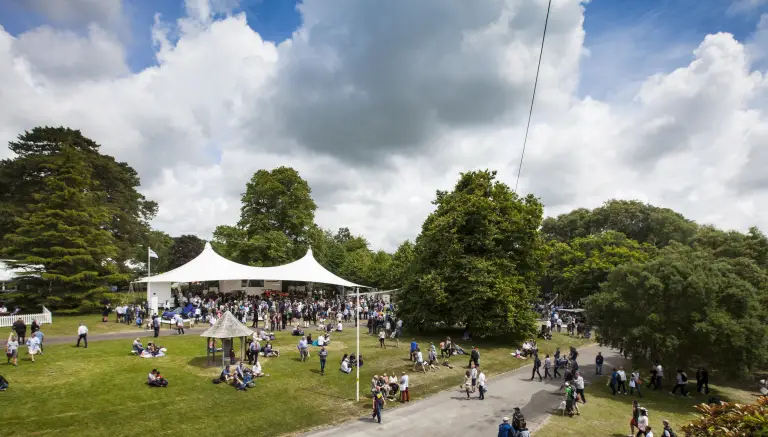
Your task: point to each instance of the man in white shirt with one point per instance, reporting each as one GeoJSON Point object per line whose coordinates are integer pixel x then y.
{"type": "Point", "coordinates": [419, 361]}
{"type": "Point", "coordinates": [578, 382]}
{"type": "Point", "coordinates": [345, 367]}
{"type": "Point", "coordinates": [481, 385]}
{"type": "Point", "coordinates": [82, 334]}
{"type": "Point", "coordinates": [405, 395]}
{"type": "Point", "coordinates": [321, 341]}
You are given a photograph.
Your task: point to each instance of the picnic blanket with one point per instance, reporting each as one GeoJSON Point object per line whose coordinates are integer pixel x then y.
{"type": "Point", "coordinates": [146, 354]}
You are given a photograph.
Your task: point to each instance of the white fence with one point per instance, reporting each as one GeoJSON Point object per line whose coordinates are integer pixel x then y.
{"type": "Point", "coordinates": [44, 317]}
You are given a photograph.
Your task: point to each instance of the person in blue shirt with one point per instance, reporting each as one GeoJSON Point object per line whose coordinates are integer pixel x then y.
{"type": "Point", "coordinates": [614, 380]}
{"type": "Point", "coordinates": [505, 429]}
{"type": "Point", "coordinates": [414, 346]}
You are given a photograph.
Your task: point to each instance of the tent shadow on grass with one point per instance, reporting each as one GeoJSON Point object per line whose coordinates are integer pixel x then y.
{"type": "Point", "coordinates": [203, 363]}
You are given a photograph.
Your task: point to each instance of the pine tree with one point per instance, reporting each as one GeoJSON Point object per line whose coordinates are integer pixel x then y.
{"type": "Point", "coordinates": [62, 239]}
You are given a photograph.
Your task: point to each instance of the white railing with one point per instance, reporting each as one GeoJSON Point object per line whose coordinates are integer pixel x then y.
{"type": "Point", "coordinates": [44, 317]}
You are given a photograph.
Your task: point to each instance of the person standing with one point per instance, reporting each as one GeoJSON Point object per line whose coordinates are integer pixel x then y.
{"type": "Point", "coordinates": [12, 350]}
{"type": "Point", "coordinates": [634, 383]}
{"type": "Point", "coordinates": [21, 330]}
{"type": "Point", "coordinates": [382, 336]}
{"type": "Point", "coordinates": [599, 364]}
{"type": "Point", "coordinates": [681, 381]}
{"type": "Point", "coordinates": [82, 334]}
{"type": "Point", "coordinates": [547, 366]}
{"type": "Point", "coordinates": [156, 325]}
{"type": "Point", "coordinates": [578, 382]}
{"type": "Point", "coordinates": [474, 357]}
{"type": "Point", "coordinates": [378, 404]}
{"type": "Point", "coordinates": [702, 380]}
{"type": "Point", "coordinates": [405, 395]}
{"type": "Point", "coordinates": [473, 376]}
{"type": "Point", "coordinates": [505, 429]}
{"type": "Point", "coordinates": [467, 383]}
{"type": "Point", "coordinates": [481, 385]}
{"type": "Point", "coordinates": [536, 366]}
{"type": "Point", "coordinates": [179, 324]}
{"type": "Point", "coordinates": [323, 354]}
{"type": "Point", "coordinates": [622, 381]}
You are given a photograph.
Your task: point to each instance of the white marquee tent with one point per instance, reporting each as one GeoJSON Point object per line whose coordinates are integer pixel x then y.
{"type": "Point", "coordinates": [210, 266]}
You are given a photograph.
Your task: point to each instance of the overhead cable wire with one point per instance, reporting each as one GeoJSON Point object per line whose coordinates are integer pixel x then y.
{"type": "Point", "coordinates": [533, 97]}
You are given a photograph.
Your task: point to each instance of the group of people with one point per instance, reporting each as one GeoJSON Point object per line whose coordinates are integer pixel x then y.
{"type": "Point", "coordinates": [241, 377]}
{"type": "Point", "coordinates": [19, 337]}
{"type": "Point", "coordinates": [641, 423]}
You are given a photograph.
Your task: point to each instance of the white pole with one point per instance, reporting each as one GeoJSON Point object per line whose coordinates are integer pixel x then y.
{"type": "Point", "coordinates": [357, 324]}
{"type": "Point", "coordinates": [149, 275]}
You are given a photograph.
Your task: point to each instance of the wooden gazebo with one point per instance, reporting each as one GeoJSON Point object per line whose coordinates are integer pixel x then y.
{"type": "Point", "coordinates": [226, 329]}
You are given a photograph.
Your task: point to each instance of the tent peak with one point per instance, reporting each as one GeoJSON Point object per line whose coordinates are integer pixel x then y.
{"type": "Point", "coordinates": [207, 246]}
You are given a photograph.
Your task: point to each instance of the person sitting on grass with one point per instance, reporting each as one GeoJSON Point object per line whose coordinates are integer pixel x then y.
{"type": "Point", "coordinates": [297, 332]}
{"type": "Point", "coordinates": [269, 351]}
{"type": "Point", "coordinates": [226, 375]}
{"type": "Point", "coordinates": [256, 370]}
{"type": "Point", "coordinates": [156, 380]}
{"type": "Point", "coordinates": [137, 346]}
{"type": "Point", "coordinates": [238, 383]}
{"type": "Point", "coordinates": [3, 383]}
{"type": "Point", "coordinates": [345, 368]}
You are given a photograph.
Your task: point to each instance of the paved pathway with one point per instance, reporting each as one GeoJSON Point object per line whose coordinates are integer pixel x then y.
{"type": "Point", "coordinates": [453, 415]}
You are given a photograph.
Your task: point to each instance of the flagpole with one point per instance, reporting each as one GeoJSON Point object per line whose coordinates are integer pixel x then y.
{"type": "Point", "coordinates": [357, 326]}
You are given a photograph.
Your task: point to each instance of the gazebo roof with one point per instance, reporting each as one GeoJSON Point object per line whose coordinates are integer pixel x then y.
{"type": "Point", "coordinates": [227, 327]}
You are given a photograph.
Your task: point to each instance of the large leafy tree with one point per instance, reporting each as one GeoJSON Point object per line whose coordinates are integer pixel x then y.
{"type": "Point", "coordinates": [687, 306]}
{"type": "Point", "coordinates": [276, 220]}
{"type": "Point", "coordinates": [477, 260]}
{"type": "Point", "coordinates": [639, 221]}
{"type": "Point", "coordinates": [577, 268]}
{"type": "Point", "coordinates": [23, 176]}
{"type": "Point", "coordinates": [184, 249]}
{"type": "Point", "coordinates": [62, 237]}
{"type": "Point", "coordinates": [160, 243]}
{"type": "Point", "coordinates": [400, 268]}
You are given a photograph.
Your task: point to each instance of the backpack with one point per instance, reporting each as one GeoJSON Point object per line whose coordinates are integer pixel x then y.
{"type": "Point", "coordinates": [684, 377]}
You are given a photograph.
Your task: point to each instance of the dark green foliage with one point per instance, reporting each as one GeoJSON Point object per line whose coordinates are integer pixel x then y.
{"type": "Point", "coordinates": [183, 250]}
{"type": "Point", "coordinates": [477, 260]}
{"type": "Point", "coordinates": [63, 237]}
{"type": "Point", "coordinates": [23, 177]}
{"type": "Point", "coordinates": [687, 306]}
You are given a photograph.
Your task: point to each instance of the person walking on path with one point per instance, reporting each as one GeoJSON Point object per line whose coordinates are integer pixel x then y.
{"type": "Point", "coordinates": [481, 385]}
{"type": "Point", "coordinates": [599, 364]}
{"type": "Point", "coordinates": [473, 377]}
{"type": "Point", "coordinates": [702, 380]}
{"type": "Point", "coordinates": [405, 395]}
{"type": "Point", "coordinates": [179, 324]}
{"type": "Point", "coordinates": [505, 429]}
{"type": "Point", "coordinates": [622, 381]}
{"type": "Point", "coordinates": [682, 380]}
{"type": "Point", "coordinates": [467, 382]}
{"type": "Point", "coordinates": [547, 365]}
{"type": "Point", "coordinates": [474, 357]}
{"type": "Point", "coordinates": [323, 354]}
{"type": "Point", "coordinates": [156, 325]}
{"type": "Point", "coordinates": [536, 366]}
{"type": "Point", "coordinates": [378, 404]}
{"type": "Point", "coordinates": [82, 334]}
{"type": "Point", "coordinates": [635, 383]}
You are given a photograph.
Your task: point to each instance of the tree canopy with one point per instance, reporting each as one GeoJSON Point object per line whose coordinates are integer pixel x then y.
{"type": "Point", "coordinates": [477, 260]}
{"type": "Point", "coordinates": [23, 177]}
{"type": "Point", "coordinates": [686, 306]}
{"type": "Point", "coordinates": [62, 238]}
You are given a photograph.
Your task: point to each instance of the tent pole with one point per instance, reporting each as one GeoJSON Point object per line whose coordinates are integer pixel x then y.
{"type": "Point", "coordinates": [357, 324]}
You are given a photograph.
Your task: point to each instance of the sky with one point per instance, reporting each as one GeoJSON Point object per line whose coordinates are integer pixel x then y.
{"type": "Point", "coordinates": [380, 104]}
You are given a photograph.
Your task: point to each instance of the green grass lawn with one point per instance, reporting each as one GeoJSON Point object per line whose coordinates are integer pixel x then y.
{"type": "Point", "coordinates": [66, 326]}
{"type": "Point", "coordinates": [101, 390]}
{"type": "Point", "coordinates": [609, 415]}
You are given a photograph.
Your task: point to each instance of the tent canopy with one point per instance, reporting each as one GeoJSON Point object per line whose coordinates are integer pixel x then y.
{"type": "Point", "coordinates": [227, 327]}
{"type": "Point", "coordinates": [210, 266]}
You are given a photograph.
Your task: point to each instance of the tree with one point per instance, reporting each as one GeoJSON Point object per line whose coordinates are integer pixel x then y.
{"type": "Point", "coordinates": [161, 243]}
{"type": "Point", "coordinates": [400, 268]}
{"type": "Point", "coordinates": [730, 420]}
{"type": "Point", "coordinates": [62, 237]}
{"type": "Point", "coordinates": [639, 221]}
{"type": "Point", "coordinates": [477, 260]}
{"type": "Point", "coordinates": [184, 249]}
{"type": "Point", "coordinates": [22, 177]}
{"type": "Point", "coordinates": [577, 268]}
{"type": "Point", "coordinates": [686, 305]}
{"type": "Point", "coordinates": [277, 202]}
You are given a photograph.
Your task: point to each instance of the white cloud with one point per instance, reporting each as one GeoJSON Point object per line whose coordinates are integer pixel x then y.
{"type": "Point", "coordinates": [380, 105]}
